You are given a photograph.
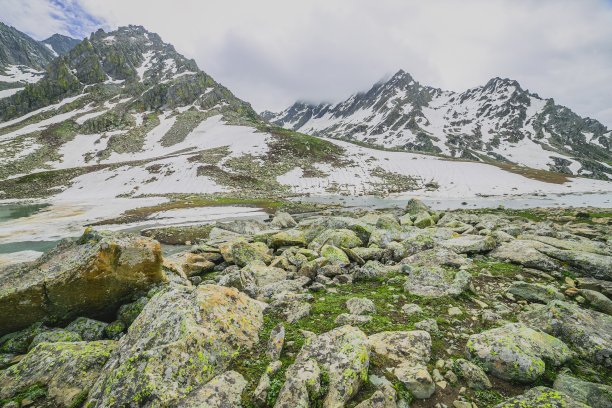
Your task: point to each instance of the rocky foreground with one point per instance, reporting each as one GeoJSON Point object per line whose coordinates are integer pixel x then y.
{"type": "Point", "coordinates": [392, 308]}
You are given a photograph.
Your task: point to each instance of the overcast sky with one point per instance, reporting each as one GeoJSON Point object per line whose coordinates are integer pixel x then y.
{"type": "Point", "coordinates": [273, 52]}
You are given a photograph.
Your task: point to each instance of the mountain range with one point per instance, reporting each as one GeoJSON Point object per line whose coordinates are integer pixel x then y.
{"type": "Point", "coordinates": [123, 115]}
{"type": "Point", "coordinates": [499, 121]}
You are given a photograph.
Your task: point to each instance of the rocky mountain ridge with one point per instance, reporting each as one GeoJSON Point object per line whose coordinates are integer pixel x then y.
{"type": "Point", "coordinates": [60, 44]}
{"type": "Point", "coordinates": [498, 121]}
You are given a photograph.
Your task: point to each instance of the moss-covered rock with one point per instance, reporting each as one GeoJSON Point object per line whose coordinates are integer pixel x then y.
{"type": "Point", "coordinates": [55, 336]}
{"type": "Point", "coordinates": [542, 397]}
{"type": "Point", "coordinates": [343, 354]}
{"type": "Point", "coordinates": [89, 277]}
{"type": "Point", "coordinates": [516, 352]}
{"type": "Point", "coordinates": [88, 329]}
{"type": "Point", "coordinates": [587, 331]}
{"type": "Point", "coordinates": [65, 370]}
{"type": "Point", "coordinates": [182, 339]}
{"type": "Point", "coordinates": [334, 255]}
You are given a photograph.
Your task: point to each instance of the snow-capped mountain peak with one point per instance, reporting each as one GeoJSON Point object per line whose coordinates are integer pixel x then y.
{"type": "Point", "coordinates": [497, 121]}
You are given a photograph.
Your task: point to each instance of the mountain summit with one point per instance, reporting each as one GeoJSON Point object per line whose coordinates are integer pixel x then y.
{"type": "Point", "coordinates": [498, 121]}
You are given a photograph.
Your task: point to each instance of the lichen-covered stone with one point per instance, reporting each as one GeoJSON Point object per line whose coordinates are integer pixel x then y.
{"type": "Point", "coordinates": [592, 394]}
{"type": "Point", "coordinates": [474, 376]}
{"type": "Point", "coordinates": [335, 255]}
{"type": "Point", "coordinates": [516, 352]}
{"type": "Point", "coordinates": [55, 335]}
{"type": "Point", "coordinates": [392, 348]}
{"type": "Point", "coordinates": [242, 253]}
{"type": "Point", "coordinates": [129, 312]}
{"type": "Point", "coordinates": [89, 277]}
{"type": "Point", "coordinates": [291, 237]}
{"type": "Point", "coordinates": [223, 391]}
{"type": "Point", "coordinates": [587, 331]}
{"type": "Point", "coordinates": [282, 220]}
{"type": "Point", "coordinates": [416, 379]}
{"type": "Point", "coordinates": [337, 237]}
{"type": "Point", "coordinates": [66, 370]}
{"type": "Point", "coordinates": [182, 339]}
{"type": "Point", "coordinates": [19, 342]}
{"type": "Point", "coordinates": [88, 329]}
{"type": "Point", "coordinates": [342, 353]}
{"type": "Point", "coordinates": [535, 292]}
{"type": "Point", "coordinates": [415, 206]}
{"type": "Point", "coordinates": [525, 253]}
{"type": "Point", "coordinates": [470, 244]}
{"type": "Point", "coordinates": [360, 306]}
{"type": "Point", "coordinates": [436, 281]}
{"type": "Point", "coordinates": [541, 397]}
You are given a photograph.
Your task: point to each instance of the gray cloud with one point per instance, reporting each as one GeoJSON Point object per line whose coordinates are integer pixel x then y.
{"type": "Point", "coordinates": [273, 52]}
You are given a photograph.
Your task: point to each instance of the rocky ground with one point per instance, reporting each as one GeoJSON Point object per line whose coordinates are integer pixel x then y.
{"type": "Point", "coordinates": [333, 308]}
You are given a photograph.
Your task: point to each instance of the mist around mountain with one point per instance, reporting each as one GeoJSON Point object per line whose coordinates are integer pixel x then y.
{"type": "Point", "coordinates": [499, 121]}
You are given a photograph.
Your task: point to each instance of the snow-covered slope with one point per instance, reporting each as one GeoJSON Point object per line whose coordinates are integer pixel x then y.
{"type": "Point", "coordinates": [124, 118]}
{"type": "Point", "coordinates": [497, 121]}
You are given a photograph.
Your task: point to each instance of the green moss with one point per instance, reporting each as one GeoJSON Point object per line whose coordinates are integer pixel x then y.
{"type": "Point", "coordinates": [33, 393]}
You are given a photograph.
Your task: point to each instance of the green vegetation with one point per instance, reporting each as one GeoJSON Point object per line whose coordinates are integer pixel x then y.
{"type": "Point", "coordinates": [29, 395]}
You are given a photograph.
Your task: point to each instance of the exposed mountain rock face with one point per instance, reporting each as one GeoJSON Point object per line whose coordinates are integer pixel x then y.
{"type": "Point", "coordinates": [17, 48]}
{"type": "Point", "coordinates": [60, 44]}
{"type": "Point", "coordinates": [151, 70]}
{"type": "Point", "coordinates": [497, 121]}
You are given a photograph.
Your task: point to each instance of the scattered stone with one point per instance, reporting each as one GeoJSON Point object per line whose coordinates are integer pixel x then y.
{"type": "Point", "coordinates": [275, 343]}
{"type": "Point", "coordinates": [428, 325]}
{"type": "Point", "coordinates": [525, 253]}
{"type": "Point", "coordinates": [597, 301]}
{"type": "Point", "coordinates": [411, 308]}
{"type": "Point", "coordinates": [437, 282]}
{"type": "Point", "coordinates": [470, 244]}
{"type": "Point", "coordinates": [360, 306]}
{"type": "Point", "coordinates": [474, 376]}
{"type": "Point", "coordinates": [392, 348]}
{"type": "Point", "coordinates": [454, 311]}
{"type": "Point", "coordinates": [416, 379]}
{"type": "Point", "coordinates": [352, 319]}
{"type": "Point", "coordinates": [282, 220]}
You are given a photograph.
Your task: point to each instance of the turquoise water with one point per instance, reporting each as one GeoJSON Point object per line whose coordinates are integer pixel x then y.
{"type": "Point", "coordinates": [13, 211]}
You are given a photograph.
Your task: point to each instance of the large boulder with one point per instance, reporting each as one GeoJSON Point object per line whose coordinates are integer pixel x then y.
{"type": "Point", "coordinates": [65, 370]}
{"type": "Point", "coordinates": [91, 277]}
{"type": "Point", "coordinates": [593, 394]}
{"type": "Point", "coordinates": [542, 397]}
{"type": "Point", "coordinates": [436, 281]}
{"type": "Point", "coordinates": [182, 339]}
{"type": "Point", "coordinates": [343, 353]}
{"type": "Point", "coordinates": [340, 237]}
{"type": "Point", "coordinates": [589, 332]}
{"type": "Point", "coordinates": [241, 252]}
{"type": "Point", "coordinates": [516, 352]}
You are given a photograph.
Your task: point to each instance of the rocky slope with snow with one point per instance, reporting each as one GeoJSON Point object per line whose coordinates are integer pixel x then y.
{"type": "Point", "coordinates": [499, 121]}
{"type": "Point", "coordinates": [60, 44]}
{"type": "Point", "coordinates": [124, 117]}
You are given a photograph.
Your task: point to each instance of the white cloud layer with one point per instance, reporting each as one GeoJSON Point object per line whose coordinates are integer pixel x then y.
{"type": "Point", "coordinates": [273, 52]}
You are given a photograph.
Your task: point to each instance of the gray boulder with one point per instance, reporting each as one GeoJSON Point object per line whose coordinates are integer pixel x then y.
{"type": "Point", "coordinates": [534, 292]}
{"type": "Point", "coordinates": [593, 394]}
{"type": "Point", "coordinates": [470, 244]}
{"type": "Point", "coordinates": [516, 352]}
{"type": "Point", "coordinates": [436, 282]}
{"type": "Point", "coordinates": [183, 338]}
{"type": "Point", "coordinates": [587, 331]}
{"type": "Point", "coordinates": [223, 391]}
